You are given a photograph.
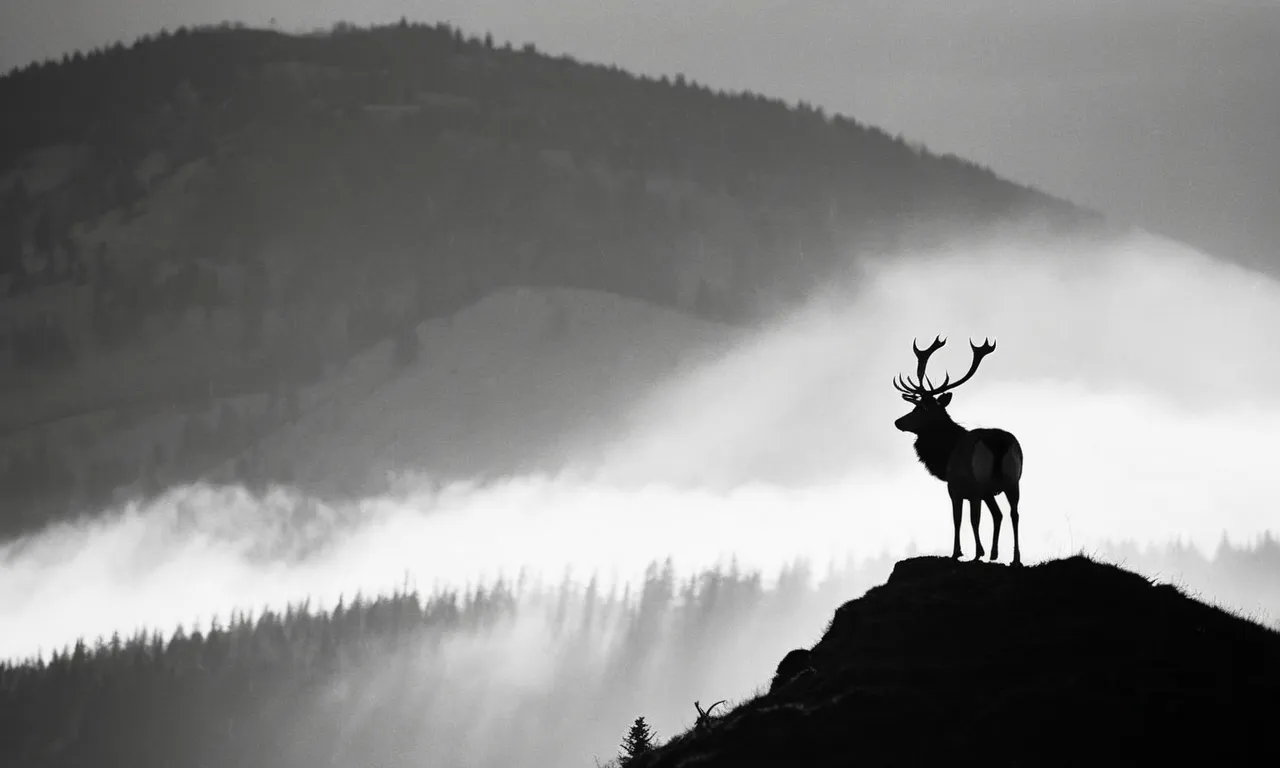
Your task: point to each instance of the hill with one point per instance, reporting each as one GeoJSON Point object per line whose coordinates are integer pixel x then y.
{"type": "Point", "coordinates": [210, 220]}
{"type": "Point", "coordinates": [1069, 662]}
{"type": "Point", "coordinates": [520, 382]}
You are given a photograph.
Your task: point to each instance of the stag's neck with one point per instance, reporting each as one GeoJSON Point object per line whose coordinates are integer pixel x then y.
{"type": "Point", "coordinates": [934, 447]}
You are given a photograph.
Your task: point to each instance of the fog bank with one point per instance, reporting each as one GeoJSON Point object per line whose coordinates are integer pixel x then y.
{"type": "Point", "coordinates": [1134, 376]}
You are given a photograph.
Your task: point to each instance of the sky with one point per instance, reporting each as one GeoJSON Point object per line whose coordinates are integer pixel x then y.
{"type": "Point", "coordinates": [1161, 112]}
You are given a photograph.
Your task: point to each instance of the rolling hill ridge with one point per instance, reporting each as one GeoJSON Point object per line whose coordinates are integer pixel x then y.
{"type": "Point", "coordinates": [1068, 662]}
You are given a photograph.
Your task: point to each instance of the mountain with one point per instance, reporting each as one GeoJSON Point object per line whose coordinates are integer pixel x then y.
{"type": "Point", "coordinates": [201, 225]}
{"type": "Point", "coordinates": [522, 381]}
{"type": "Point", "coordinates": [1069, 662]}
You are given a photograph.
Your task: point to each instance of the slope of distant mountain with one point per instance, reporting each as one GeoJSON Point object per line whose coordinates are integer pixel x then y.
{"type": "Point", "coordinates": [210, 221]}
{"type": "Point", "coordinates": [526, 380]}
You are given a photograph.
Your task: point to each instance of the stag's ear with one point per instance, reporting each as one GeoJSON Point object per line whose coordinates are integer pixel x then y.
{"type": "Point", "coordinates": [909, 398]}
{"type": "Point", "coordinates": [944, 399]}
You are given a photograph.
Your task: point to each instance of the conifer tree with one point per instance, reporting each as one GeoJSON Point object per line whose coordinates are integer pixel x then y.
{"type": "Point", "coordinates": [640, 740]}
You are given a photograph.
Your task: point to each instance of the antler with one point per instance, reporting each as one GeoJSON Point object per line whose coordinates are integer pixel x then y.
{"type": "Point", "coordinates": [922, 385]}
{"type": "Point", "coordinates": [978, 353]}
{"type": "Point", "coordinates": [704, 715]}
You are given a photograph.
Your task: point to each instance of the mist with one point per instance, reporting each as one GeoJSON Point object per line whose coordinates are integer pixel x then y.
{"type": "Point", "coordinates": [1134, 373]}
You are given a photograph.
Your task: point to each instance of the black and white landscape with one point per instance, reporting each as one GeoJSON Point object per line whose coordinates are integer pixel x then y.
{"type": "Point", "coordinates": [384, 392]}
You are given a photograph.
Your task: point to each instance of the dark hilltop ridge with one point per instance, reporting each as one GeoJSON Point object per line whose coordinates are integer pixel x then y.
{"type": "Point", "coordinates": [1068, 662]}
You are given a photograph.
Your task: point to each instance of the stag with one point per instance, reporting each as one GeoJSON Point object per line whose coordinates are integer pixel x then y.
{"type": "Point", "coordinates": [976, 464]}
{"type": "Point", "coordinates": [704, 715]}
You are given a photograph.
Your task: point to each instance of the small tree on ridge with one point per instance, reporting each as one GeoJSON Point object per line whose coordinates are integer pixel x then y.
{"type": "Point", "coordinates": [640, 740]}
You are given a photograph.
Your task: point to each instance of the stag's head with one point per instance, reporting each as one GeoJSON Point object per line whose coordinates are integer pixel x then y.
{"type": "Point", "coordinates": [931, 402]}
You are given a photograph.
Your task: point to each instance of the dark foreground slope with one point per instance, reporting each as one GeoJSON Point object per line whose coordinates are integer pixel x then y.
{"type": "Point", "coordinates": [1068, 662]}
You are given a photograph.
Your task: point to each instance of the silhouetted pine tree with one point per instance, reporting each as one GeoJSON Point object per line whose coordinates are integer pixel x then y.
{"type": "Point", "coordinates": [640, 741]}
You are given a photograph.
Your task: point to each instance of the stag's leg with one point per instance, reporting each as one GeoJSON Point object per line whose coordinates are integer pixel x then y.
{"type": "Point", "coordinates": [975, 516]}
{"type": "Point", "coordinates": [1012, 495]}
{"type": "Point", "coordinates": [996, 517]}
{"type": "Point", "coordinates": [957, 512]}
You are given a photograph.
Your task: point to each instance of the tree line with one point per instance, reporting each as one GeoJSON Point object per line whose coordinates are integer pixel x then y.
{"type": "Point", "coordinates": [490, 676]}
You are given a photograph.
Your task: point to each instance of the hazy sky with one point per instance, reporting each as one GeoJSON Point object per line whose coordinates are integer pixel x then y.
{"type": "Point", "coordinates": [1162, 111]}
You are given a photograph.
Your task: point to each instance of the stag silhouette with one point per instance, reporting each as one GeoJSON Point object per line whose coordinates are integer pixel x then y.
{"type": "Point", "coordinates": [704, 715]}
{"type": "Point", "coordinates": [976, 464]}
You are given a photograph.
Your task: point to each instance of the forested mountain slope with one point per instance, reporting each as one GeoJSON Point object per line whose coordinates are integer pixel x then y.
{"type": "Point", "coordinates": [207, 221]}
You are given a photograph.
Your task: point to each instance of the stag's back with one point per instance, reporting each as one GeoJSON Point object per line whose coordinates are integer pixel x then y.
{"type": "Point", "coordinates": [985, 461]}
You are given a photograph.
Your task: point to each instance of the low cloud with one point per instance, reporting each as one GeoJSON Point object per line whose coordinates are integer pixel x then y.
{"type": "Point", "coordinates": [1136, 376]}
